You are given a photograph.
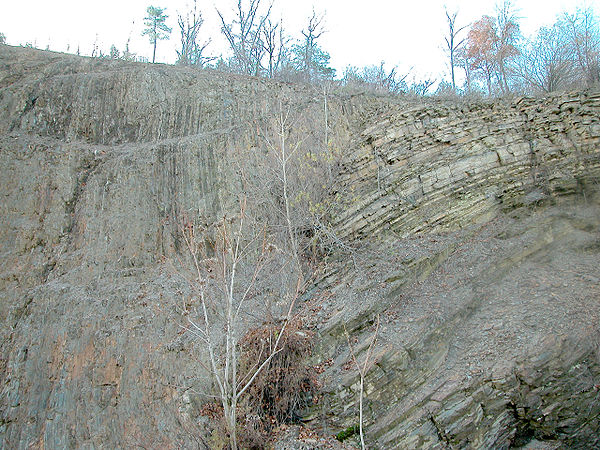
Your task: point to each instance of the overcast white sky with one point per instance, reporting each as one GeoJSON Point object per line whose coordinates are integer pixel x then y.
{"type": "Point", "coordinates": [401, 33]}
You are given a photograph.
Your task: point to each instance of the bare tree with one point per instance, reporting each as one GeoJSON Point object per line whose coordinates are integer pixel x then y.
{"type": "Point", "coordinates": [463, 60]}
{"type": "Point", "coordinates": [283, 154]}
{"type": "Point", "coordinates": [244, 36]}
{"type": "Point", "coordinates": [387, 81]}
{"type": "Point", "coordinates": [565, 55]}
{"type": "Point", "coordinates": [275, 45]}
{"type": "Point", "coordinates": [508, 35]}
{"type": "Point", "coordinates": [583, 36]}
{"type": "Point", "coordinates": [546, 62]}
{"type": "Point", "coordinates": [313, 31]}
{"type": "Point", "coordinates": [309, 58]}
{"type": "Point", "coordinates": [376, 78]}
{"type": "Point", "coordinates": [421, 87]}
{"type": "Point", "coordinates": [192, 50]}
{"type": "Point", "coordinates": [326, 92]}
{"type": "Point", "coordinates": [279, 166]}
{"type": "Point", "coordinates": [288, 168]}
{"type": "Point", "coordinates": [453, 43]}
{"type": "Point", "coordinates": [363, 369]}
{"type": "Point", "coordinates": [224, 281]}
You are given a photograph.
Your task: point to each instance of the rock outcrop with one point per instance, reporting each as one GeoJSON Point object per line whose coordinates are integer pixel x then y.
{"type": "Point", "coordinates": [442, 166]}
{"type": "Point", "coordinates": [101, 162]}
{"type": "Point", "coordinates": [473, 232]}
{"type": "Point", "coordinates": [488, 336]}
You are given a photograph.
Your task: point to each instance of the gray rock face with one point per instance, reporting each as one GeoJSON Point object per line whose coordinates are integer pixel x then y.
{"type": "Point", "coordinates": [101, 162]}
{"type": "Point", "coordinates": [440, 166]}
{"type": "Point", "coordinates": [489, 332]}
{"type": "Point", "coordinates": [489, 335]}
{"type": "Point", "coordinates": [497, 346]}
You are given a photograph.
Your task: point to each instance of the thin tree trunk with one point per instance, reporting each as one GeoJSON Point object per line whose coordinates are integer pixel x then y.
{"type": "Point", "coordinates": [285, 193]}
{"type": "Point", "coordinates": [154, 52]}
{"type": "Point", "coordinates": [452, 69]}
{"type": "Point", "coordinates": [362, 370]}
{"type": "Point", "coordinates": [326, 118]}
{"type": "Point", "coordinates": [360, 412]}
{"type": "Point", "coordinates": [503, 71]}
{"type": "Point", "coordinates": [325, 92]}
{"type": "Point", "coordinates": [225, 369]}
{"type": "Point", "coordinates": [232, 425]}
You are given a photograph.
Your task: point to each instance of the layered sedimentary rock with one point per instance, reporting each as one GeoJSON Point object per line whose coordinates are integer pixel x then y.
{"type": "Point", "coordinates": [440, 166]}
{"type": "Point", "coordinates": [488, 336]}
{"type": "Point", "coordinates": [101, 161]}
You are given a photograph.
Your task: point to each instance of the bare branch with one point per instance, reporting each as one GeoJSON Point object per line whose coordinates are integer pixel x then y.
{"type": "Point", "coordinates": [362, 371]}
{"type": "Point", "coordinates": [191, 52]}
{"type": "Point", "coordinates": [244, 36]}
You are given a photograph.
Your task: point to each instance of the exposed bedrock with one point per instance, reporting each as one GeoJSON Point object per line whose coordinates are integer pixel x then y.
{"type": "Point", "coordinates": [442, 166]}
{"type": "Point", "coordinates": [475, 229]}
{"type": "Point", "coordinates": [488, 338]}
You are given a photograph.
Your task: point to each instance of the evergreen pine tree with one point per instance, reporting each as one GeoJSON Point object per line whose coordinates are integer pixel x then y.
{"type": "Point", "coordinates": [156, 28]}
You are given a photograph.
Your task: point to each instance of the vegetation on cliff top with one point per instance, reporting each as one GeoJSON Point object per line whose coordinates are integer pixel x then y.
{"type": "Point", "coordinates": [488, 57]}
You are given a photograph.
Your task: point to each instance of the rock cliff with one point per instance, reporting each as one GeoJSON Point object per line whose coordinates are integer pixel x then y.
{"type": "Point", "coordinates": [473, 231]}
{"type": "Point", "coordinates": [441, 166]}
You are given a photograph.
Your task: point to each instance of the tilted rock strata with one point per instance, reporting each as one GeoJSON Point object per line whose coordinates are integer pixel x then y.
{"type": "Point", "coordinates": [101, 161]}
{"type": "Point", "coordinates": [495, 346]}
{"type": "Point", "coordinates": [442, 166]}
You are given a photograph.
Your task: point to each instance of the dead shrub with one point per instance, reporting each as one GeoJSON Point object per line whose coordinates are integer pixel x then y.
{"type": "Point", "coordinates": [286, 385]}
{"type": "Point", "coordinates": [280, 391]}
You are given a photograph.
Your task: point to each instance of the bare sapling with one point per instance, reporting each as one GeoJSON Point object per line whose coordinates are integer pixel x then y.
{"type": "Point", "coordinates": [284, 154]}
{"type": "Point", "coordinates": [299, 161]}
{"type": "Point", "coordinates": [363, 368]}
{"type": "Point", "coordinates": [224, 283]}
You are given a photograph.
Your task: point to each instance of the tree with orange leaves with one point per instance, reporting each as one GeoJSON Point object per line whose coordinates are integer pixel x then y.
{"type": "Point", "coordinates": [492, 43]}
{"type": "Point", "coordinates": [481, 44]}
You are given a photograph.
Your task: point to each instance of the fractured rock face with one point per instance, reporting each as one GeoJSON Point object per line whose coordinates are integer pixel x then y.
{"type": "Point", "coordinates": [486, 284]}
{"type": "Point", "coordinates": [101, 162]}
{"type": "Point", "coordinates": [489, 335]}
{"type": "Point", "coordinates": [497, 346]}
{"type": "Point", "coordinates": [441, 166]}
